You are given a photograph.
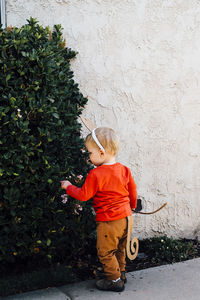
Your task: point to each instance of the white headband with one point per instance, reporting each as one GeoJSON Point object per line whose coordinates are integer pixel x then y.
{"type": "Point", "coordinates": [96, 140]}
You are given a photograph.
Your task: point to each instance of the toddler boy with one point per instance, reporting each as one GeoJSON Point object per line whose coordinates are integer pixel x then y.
{"type": "Point", "coordinates": [114, 194]}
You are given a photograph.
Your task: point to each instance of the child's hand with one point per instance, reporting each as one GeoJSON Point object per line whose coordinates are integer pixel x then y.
{"type": "Point", "coordinates": [65, 184]}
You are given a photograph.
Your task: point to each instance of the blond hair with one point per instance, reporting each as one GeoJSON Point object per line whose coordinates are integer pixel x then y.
{"type": "Point", "coordinates": [107, 138]}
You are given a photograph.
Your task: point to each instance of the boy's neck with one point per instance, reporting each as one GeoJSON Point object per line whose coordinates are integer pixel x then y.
{"type": "Point", "coordinates": [110, 160]}
{"type": "Point", "coordinates": [109, 163]}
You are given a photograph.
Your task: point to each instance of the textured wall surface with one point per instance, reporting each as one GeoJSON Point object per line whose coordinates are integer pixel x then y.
{"type": "Point", "coordinates": [139, 66]}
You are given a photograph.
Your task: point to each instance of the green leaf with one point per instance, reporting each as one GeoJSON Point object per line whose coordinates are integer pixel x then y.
{"type": "Point", "coordinates": [8, 77]}
{"type": "Point", "coordinates": [48, 242]}
{"type": "Point", "coordinates": [56, 115]}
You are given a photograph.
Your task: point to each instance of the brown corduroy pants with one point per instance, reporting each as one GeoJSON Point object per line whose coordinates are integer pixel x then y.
{"type": "Point", "coordinates": [111, 245]}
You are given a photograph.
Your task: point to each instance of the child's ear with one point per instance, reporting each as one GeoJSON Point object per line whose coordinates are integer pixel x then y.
{"type": "Point", "coordinates": [102, 153]}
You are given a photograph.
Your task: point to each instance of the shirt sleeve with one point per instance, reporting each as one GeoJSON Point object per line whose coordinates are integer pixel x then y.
{"type": "Point", "coordinates": [132, 188]}
{"type": "Point", "coordinates": [87, 191]}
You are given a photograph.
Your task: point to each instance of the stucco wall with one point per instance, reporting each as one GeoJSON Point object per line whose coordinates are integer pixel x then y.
{"type": "Point", "coordinates": [139, 65]}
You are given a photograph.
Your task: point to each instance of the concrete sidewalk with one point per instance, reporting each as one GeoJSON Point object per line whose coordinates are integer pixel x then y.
{"type": "Point", "coordinates": [179, 281]}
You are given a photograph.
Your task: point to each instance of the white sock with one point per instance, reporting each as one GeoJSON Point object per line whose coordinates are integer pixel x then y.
{"type": "Point", "coordinates": [116, 279]}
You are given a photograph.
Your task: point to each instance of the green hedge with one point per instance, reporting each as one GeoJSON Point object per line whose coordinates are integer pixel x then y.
{"type": "Point", "coordinates": [40, 145]}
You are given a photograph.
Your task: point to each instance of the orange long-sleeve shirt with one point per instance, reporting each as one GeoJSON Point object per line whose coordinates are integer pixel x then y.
{"type": "Point", "coordinates": [113, 190]}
